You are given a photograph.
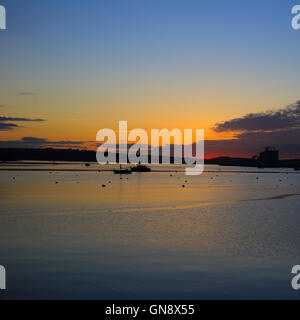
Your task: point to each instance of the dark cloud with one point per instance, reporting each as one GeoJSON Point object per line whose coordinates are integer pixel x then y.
{"type": "Point", "coordinates": [34, 142]}
{"type": "Point", "coordinates": [286, 118]}
{"type": "Point", "coordinates": [7, 126]}
{"type": "Point", "coordinates": [291, 135]}
{"type": "Point", "coordinates": [20, 119]}
{"type": "Point", "coordinates": [6, 123]}
{"type": "Point", "coordinates": [255, 131]}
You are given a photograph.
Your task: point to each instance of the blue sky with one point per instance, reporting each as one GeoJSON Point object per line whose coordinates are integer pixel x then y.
{"type": "Point", "coordinates": [152, 37]}
{"type": "Point", "coordinates": [147, 60]}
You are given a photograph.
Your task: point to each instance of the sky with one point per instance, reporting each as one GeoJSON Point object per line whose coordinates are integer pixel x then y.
{"type": "Point", "coordinates": [70, 68]}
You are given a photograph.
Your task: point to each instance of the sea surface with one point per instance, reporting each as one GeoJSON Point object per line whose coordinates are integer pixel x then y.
{"type": "Point", "coordinates": [76, 232]}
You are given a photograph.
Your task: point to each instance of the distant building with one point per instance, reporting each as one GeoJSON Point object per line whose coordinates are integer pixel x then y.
{"type": "Point", "coordinates": [268, 158]}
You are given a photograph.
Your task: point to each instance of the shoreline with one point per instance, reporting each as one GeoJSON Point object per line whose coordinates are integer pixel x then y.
{"type": "Point", "coordinates": [153, 171]}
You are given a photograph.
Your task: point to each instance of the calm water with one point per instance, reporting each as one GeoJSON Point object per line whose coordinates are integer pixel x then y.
{"type": "Point", "coordinates": [225, 235]}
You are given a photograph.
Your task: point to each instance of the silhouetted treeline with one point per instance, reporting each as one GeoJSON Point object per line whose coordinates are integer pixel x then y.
{"type": "Point", "coordinates": [50, 154]}
{"type": "Point", "coordinates": [228, 161]}
{"type": "Point", "coordinates": [250, 162]}
{"type": "Point", "coordinates": [47, 154]}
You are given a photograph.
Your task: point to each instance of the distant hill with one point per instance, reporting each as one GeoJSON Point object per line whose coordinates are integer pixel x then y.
{"type": "Point", "coordinates": [50, 154]}
{"type": "Point", "coordinates": [47, 154]}
{"type": "Point", "coordinates": [250, 162]}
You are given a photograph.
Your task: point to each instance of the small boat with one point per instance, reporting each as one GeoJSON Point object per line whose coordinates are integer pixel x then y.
{"type": "Point", "coordinates": [140, 168]}
{"type": "Point", "coordinates": [122, 171]}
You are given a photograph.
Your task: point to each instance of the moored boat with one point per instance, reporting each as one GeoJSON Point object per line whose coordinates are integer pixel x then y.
{"type": "Point", "coordinates": [140, 168]}
{"type": "Point", "coordinates": [122, 171]}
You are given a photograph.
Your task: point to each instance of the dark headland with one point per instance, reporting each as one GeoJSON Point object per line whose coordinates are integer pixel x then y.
{"type": "Point", "coordinates": [50, 154]}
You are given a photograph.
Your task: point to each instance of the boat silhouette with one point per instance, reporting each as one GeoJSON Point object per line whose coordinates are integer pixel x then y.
{"type": "Point", "coordinates": [140, 168]}
{"type": "Point", "coordinates": [122, 171]}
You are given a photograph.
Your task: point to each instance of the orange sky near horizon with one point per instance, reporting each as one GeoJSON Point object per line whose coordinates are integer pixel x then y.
{"type": "Point", "coordinates": [78, 118]}
{"type": "Point", "coordinates": [156, 64]}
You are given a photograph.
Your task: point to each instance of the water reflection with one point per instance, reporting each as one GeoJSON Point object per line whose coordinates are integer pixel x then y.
{"type": "Point", "coordinates": [225, 235]}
